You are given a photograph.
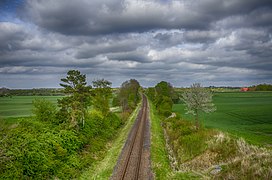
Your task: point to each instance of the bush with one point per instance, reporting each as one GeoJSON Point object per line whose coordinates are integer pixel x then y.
{"type": "Point", "coordinates": [36, 150]}
{"type": "Point", "coordinates": [185, 140]}
{"type": "Point", "coordinates": [44, 110]}
{"type": "Point", "coordinates": [164, 106]}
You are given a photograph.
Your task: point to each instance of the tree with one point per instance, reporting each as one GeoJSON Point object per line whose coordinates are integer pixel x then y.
{"type": "Point", "coordinates": [150, 92]}
{"type": "Point", "coordinates": [74, 106]}
{"type": "Point", "coordinates": [164, 106]}
{"type": "Point", "coordinates": [163, 98]}
{"type": "Point", "coordinates": [101, 95]}
{"type": "Point", "coordinates": [164, 88]}
{"type": "Point", "coordinates": [129, 94]}
{"type": "Point", "coordinates": [198, 99]}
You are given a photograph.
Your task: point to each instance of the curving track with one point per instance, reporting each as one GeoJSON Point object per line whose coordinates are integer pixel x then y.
{"type": "Point", "coordinates": [134, 161]}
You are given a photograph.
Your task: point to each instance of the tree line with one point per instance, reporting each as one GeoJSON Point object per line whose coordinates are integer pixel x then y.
{"type": "Point", "coordinates": [196, 99]}
{"type": "Point", "coordinates": [261, 87]}
{"type": "Point", "coordinates": [80, 97]}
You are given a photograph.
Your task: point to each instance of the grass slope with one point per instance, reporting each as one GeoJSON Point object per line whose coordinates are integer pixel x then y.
{"type": "Point", "coordinates": [215, 155]}
{"type": "Point", "coordinates": [246, 114]}
{"type": "Point", "coordinates": [159, 156]}
{"type": "Point", "coordinates": [20, 106]}
{"type": "Point", "coordinates": [104, 168]}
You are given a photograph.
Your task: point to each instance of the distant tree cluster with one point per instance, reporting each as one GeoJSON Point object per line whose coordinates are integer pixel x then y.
{"type": "Point", "coordinates": [129, 95]}
{"type": "Point", "coordinates": [196, 98]}
{"type": "Point", "coordinates": [74, 107]}
{"type": "Point", "coordinates": [163, 96]}
{"type": "Point", "coordinates": [261, 87]}
{"type": "Point", "coordinates": [31, 92]}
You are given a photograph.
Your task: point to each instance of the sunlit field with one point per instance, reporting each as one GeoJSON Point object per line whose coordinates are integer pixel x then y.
{"type": "Point", "coordinates": [246, 114]}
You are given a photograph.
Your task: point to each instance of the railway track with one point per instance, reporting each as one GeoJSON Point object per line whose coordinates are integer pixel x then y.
{"type": "Point", "coordinates": [134, 161]}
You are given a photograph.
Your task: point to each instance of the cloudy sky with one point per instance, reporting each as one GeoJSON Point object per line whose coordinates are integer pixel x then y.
{"type": "Point", "coordinates": [214, 42]}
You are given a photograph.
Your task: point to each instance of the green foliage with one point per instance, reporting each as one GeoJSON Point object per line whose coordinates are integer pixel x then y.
{"type": "Point", "coordinates": [150, 92]}
{"type": "Point", "coordinates": [101, 95]}
{"type": "Point", "coordinates": [129, 95]}
{"type": "Point", "coordinates": [74, 106]}
{"type": "Point", "coordinates": [261, 87]}
{"type": "Point", "coordinates": [41, 150]}
{"type": "Point", "coordinates": [164, 89]}
{"type": "Point", "coordinates": [98, 124]}
{"type": "Point", "coordinates": [44, 110]}
{"type": "Point", "coordinates": [161, 165]}
{"type": "Point", "coordinates": [51, 147]}
{"type": "Point", "coordinates": [4, 92]}
{"type": "Point", "coordinates": [164, 106]}
{"type": "Point", "coordinates": [115, 101]}
{"type": "Point", "coordinates": [184, 138]}
{"type": "Point", "coordinates": [162, 96]}
{"type": "Point", "coordinates": [34, 149]}
{"type": "Point", "coordinates": [104, 168]}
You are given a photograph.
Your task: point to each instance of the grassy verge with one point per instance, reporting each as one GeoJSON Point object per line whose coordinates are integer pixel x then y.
{"type": "Point", "coordinates": [214, 154]}
{"type": "Point", "coordinates": [103, 169]}
{"type": "Point", "coordinates": [159, 156]}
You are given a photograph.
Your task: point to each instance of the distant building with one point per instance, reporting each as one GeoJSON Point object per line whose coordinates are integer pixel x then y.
{"type": "Point", "coordinates": [245, 89]}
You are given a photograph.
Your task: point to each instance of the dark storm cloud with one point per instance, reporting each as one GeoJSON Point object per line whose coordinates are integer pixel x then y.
{"type": "Point", "coordinates": [196, 36]}
{"type": "Point", "coordinates": [111, 45]}
{"type": "Point", "coordinates": [129, 56]}
{"type": "Point", "coordinates": [215, 42]}
{"type": "Point", "coordinates": [105, 16]}
{"type": "Point", "coordinates": [11, 36]}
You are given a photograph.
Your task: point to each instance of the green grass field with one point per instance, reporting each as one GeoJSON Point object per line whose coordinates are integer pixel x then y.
{"type": "Point", "coordinates": [246, 114]}
{"type": "Point", "coordinates": [20, 106]}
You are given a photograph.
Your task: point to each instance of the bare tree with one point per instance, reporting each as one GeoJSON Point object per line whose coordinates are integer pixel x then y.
{"type": "Point", "coordinates": [198, 99]}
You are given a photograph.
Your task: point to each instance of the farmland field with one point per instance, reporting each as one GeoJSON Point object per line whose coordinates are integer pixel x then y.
{"type": "Point", "coordinates": [245, 114]}
{"type": "Point", "coordinates": [20, 106]}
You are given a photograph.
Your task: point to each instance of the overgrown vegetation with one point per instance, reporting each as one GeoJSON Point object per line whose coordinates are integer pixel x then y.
{"type": "Point", "coordinates": [215, 154]}
{"type": "Point", "coordinates": [42, 150]}
{"type": "Point", "coordinates": [44, 110]}
{"type": "Point", "coordinates": [60, 143]}
{"type": "Point", "coordinates": [160, 158]}
{"type": "Point", "coordinates": [103, 169]}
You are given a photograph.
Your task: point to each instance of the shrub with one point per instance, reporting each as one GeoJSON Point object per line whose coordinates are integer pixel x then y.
{"type": "Point", "coordinates": [36, 150]}
{"type": "Point", "coordinates": [164, 106]}
{"type": "Point", "coordinates": [44, 110]}
{"type": "Point", "coordinates": [184, 138]}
